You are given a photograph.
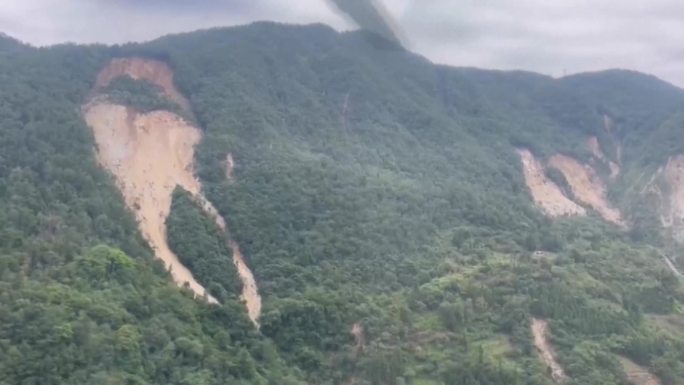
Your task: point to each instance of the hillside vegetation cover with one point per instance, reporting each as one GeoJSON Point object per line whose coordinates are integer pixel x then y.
{"type": "Point", "coordinates": [370, 188]}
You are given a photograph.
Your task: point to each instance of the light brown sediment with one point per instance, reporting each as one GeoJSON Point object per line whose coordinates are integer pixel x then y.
{"type": "Point", "coordinates": [150, 154]}
{"type": "Point", "coordinates": [545, 193]}
{"type": "Point", "coordinates": [230, 165]}
{"type": "Point", "coordinates": [638, 375]}
{"type": "Point", "coordinates": [595, 148]}
{"type": "Point", "coordinates": [608, 124]}
{"type": "Point", "coordinates": [666, 186]}
{"type": "Point", "coordinates": [672, 267]}
{"type": "Point", "coordinates": [546, 352]}
{"type": "Point", "coordinates": [359, 334]}
{"type": "Point", "coordinates": [673, 205]}
{"type": "Point", "coordinates": [153, 71]}
{"type": "Point", "coordinates": [250, 290]}
{"type": "Point", "coordinates": [587, 187]}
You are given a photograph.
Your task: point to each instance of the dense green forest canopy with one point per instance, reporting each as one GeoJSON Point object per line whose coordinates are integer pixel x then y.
{"type": "Point", "coordinates": [371, 188]}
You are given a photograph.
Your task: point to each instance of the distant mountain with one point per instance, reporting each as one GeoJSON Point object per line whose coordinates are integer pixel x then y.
{"type": "Point", "coordinates": [9, 44]}
{"type": "Point", "coordinates": [335, 210]}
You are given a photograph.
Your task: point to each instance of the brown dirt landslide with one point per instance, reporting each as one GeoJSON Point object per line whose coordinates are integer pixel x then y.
{"type": "Point", "coordinates": [587, 186]}
{"type": "Point", "coordinates": [595, 148]}
{"type": "Point", "coordinates": [153, 71]}
{"type": "Point", "coordinates": [545, 193]}
{"type": "Point", "coordinates": [149, 155]}
{"type": "Point", "coordinates": [674, 177]}
{"type": "Point", "coordinates": [545, 350]}
{"type": "Point", "coordinates": [667, 187]}
{"type": "Point", "coordinates": [638, 375]}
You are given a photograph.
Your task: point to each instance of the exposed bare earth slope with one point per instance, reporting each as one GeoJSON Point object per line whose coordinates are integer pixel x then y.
{"type": "Point", "coordinates": [638, 375]}
{"type": "Point", "coordinates": [672, 215]}
{"type": "Point", "coordinates": [150, 154]}
{"type": "Point", "coordinates": [672, 267]}
{"type": "Point", "coordinates": [546, 194]}
{"type": "Point", "coordinates": [546, 352]}
{"type": "Point", "coordinates": [586, 186]}
{"type": "Point", "coordinates": [250, 291]}
{"type": "Point", "coordinates": [153, 71]}
{"type": "Point", "coordinates": [667, 187]}
{"type": "Point", "coordinates": [230, 165]}
{"type": "Point", "coordinates": [595, 148]}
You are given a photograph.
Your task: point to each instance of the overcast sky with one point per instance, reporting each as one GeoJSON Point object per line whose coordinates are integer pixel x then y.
{"type": "Point", "coordinates": [553, 37]}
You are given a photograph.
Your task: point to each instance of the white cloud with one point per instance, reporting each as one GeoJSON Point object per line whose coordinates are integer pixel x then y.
{"type": "Point", "coordinates": [45, 22]}
{"type": "Point", "coordinates": [548, 36]}
{"type": "Point", "coordinates": [552, 37]}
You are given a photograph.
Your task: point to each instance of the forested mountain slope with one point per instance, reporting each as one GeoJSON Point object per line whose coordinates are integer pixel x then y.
{"type": "Point", "coordinates": [400, 218]}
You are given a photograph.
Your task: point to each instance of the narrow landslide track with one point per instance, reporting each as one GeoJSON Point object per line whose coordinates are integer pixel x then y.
{"type": "Point", "coordinates": [595, 148]}
{"type": "Point", "coordinates": [638, 375]}
{"type": "Point", "coordinates": [545, 350]}
{"type": "Point", "coordinates": [667, 187]}
{"type": "Point", "coordinates": [672, 267]}
{"type": "Point", "coordinates": [150, 154]}
{"type": "Point", "coordinates": [673, 202]}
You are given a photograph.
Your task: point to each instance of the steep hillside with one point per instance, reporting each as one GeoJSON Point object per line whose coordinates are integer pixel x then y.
{"type": "Point", "coordinates": [73, 309]}
{"type": "Point", "coordinates": [151, 155]}
{"type": "Point", "coordinates": [595, 148]}
{"type": "Point", "coordinates": [153, 71]}
{"type": "Point", "coordinates": [406, 223]}
{"type": "Point", "coordinates": [540, 330]}
{"type": "Point", "coordinates": [359, 164]}
{"type": "Point", "coordinates": [638, 375]}
{"type": "Point", "coordinates": [148, 162]}
{"type": "Point", "coordinates": [667, 186]}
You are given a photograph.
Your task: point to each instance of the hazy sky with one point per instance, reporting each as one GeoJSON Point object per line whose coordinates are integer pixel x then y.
{"type": "Point", "coordinates": [549, 36]}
